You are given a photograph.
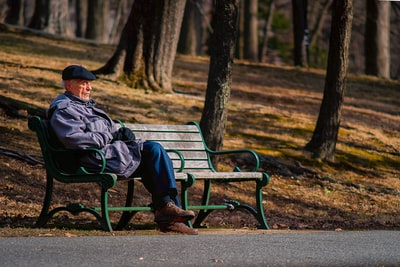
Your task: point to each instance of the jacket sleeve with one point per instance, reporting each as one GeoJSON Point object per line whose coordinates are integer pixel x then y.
{"type": "Point", "coordinates": [72, 130]}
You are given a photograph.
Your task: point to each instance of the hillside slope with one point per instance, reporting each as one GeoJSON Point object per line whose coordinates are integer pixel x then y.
{"type": "Point", "coordinates": [272, 110]}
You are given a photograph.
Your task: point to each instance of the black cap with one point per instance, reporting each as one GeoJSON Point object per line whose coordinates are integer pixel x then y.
{"type": "Point", "coordinates": [77, 72]}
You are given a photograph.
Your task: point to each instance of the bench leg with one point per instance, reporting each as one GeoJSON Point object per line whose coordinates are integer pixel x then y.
{"type": "Point", "coordinates": [44, 214]}
{"type": "Point", "coordinates": [105, 219]}
{"type": "Point", "coordinates": [127, 215]}
{"type": "Point", "coordinates": [258, 213]}
{"type": "Point", "coordinates": [260, 210]}
{"type": "Point", "coordinates": [184, 194]}
{"type": "Point", "coordinates": [204, 202]}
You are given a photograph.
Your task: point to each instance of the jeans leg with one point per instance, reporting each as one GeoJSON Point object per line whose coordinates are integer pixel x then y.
{"type": "Point", "coordinates": [157, 174]}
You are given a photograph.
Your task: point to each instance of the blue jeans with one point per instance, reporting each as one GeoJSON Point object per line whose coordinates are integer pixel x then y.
{"type": "Point", "coordinates": [157, 174]}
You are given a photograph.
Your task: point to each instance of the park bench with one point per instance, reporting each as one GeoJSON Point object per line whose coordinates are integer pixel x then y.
{"type": "Point", "coordinates": [191, 159]}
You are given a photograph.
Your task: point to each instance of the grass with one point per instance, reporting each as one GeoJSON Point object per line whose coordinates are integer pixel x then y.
{"type": "Point", "coordinates": [272, 109]}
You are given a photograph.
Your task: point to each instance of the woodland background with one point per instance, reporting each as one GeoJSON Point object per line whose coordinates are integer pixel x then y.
{"type": "Point", "coordinates": [276, 101]}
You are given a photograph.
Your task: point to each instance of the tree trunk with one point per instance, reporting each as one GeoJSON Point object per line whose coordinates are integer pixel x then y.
{"type": "Point", "coordinates": [377, 39]}
{"type": "Point", "coordinates": [239, 47]}
{"type": "Point", "coordinates": [97, 20]}
{"type": "Point", "coordinates": [214, 116]}
{"type": "Point", "coordinates": [119, 21]}
{"type": "Point", "coordinates": [51, 17]}
{"type": "Point", "coordinates": [300, 32]}
{"type": "Point", "coordinates": [267, 32]}
{"type": "Point", "coordinates": [319, 22]}
{"type": "Point", "coordinates": [323, 142]}
{"type": "Point", "coordinates": [81, 7]}
{"type": "Point", "coordinates": [15, 14]}
{"type": "Point", "coordinates": [187, 44]}
{"type": "Point", "coordinates": [250, 44]}
{"type": "Point", "coordinates": [146, 52]}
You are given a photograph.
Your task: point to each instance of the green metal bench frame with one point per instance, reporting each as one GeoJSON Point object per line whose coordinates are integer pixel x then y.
{"type": "Point", "coordinates": [192, 162]}
{"type": "Point", "coordinates": [105, 180]}
{"type": "Point", "coordinates": [191, 158]}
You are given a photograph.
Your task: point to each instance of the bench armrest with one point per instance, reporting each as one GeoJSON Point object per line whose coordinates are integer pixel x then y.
{"type": "Point", "coordinates": [239, 151]}
{"type": "Point", "coordinates": [182, 159]}
{"type": "Point", "coordinates": [102, 157]}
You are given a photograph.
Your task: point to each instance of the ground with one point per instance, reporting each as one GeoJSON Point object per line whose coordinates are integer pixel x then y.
{"type": "Point", "coordinates": [272, 110]}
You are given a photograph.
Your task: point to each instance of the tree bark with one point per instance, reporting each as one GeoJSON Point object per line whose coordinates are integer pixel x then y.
{"type": "Point", "coordinates": [51, 17]}
{"type": "Point", "coordinates": [81, 7]}
{"type": "Point", "coordinates": [315, 33]}
{"type": "Point", "coordinates": [187, 44]}
{"type": "Point", "coordinates": [97, 20]}
{"type": "Point", "coordinates": [323, 142]}
{"type": "Point", "coordinates": [15, 13]}
{"type": "Point", "coordinates": [377, 39]}
{"type": "Point", "coordinates": [145, 55]}
{"type": "Point", "coordinates": [267, 32]}
{"type": "Point", "coordinates": [215, 113]}
{"type": "Point", "coordinates": [250, 45]}
{"type": "Point", "coordinates": [299, 32]}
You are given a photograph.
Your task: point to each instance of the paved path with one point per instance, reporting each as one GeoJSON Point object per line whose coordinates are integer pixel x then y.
{"type": "Point", "coordinates": [263, 248]}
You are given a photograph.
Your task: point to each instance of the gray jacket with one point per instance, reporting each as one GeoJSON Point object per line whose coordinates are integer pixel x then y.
{"type": "Point", "coordinates": [78, 124]}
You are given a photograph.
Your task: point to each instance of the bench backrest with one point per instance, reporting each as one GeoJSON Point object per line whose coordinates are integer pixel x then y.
{"type": "Point", "coordinates": [57, 160]}
{"type": "Point", "coordinates": [187, 139]}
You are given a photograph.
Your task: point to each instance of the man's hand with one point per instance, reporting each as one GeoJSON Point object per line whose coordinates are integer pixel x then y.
{"type": "Point", "coordinates": [124, 134]}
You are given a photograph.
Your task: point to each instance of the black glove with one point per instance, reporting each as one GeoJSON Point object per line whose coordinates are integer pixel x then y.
{"type": "Point", "coordinates": [124, 134]}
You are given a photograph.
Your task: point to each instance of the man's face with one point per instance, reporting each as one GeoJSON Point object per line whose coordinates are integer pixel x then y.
{"type": "Point", "coordinates": [79, 88]}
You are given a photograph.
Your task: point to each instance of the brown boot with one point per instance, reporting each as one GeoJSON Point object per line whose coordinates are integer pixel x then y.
{"type": "Point", "coordinates": [176, 227]}
{"type": "Point", "coordinates": [172, 213]}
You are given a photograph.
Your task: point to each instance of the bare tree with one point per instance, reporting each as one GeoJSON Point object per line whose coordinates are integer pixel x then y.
{"type": "Point", "coordinates": [121, 14]}
{"type": "Point", "coordinates": [319, 18]}
{"type": "Point", "coordinates": [52, 17]}
{"type": "Point", "coordinates": [377, 38]}
{"type": "Point", "coordinates": [188, 42]}
{"type": "Point", "coordinates": [146, 51]}
{"type": "Point", "coordinates": [223, 39]}
{"type": "Point", "coordinates": [267, 32]}
{"type": "Point", "coordinates": [97, 20]}
{"type": "Point", "coordinates": [15, 13]}
{"type": "Point", "coordinates": [250, 41]}
{"type": "Point", "coordinates": [300, 30]}
{"type": "Point", "coordinates": [81, 7]}
{"type": "Point", "coordinates": [323, 142]}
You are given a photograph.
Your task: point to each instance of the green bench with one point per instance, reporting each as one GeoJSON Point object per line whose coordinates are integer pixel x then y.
{"type": "Point", "coordinates": [191, 160]}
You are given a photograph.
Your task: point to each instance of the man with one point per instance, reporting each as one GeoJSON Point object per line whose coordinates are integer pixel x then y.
{"type": "Point", "coordinates": [78, 124]}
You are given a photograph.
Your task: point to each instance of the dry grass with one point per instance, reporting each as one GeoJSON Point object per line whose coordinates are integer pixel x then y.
{"type": "Point", "coordinates": [272, 110]}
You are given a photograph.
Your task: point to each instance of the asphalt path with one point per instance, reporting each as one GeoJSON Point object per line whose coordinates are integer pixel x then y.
{"type": "Point", "coordinates": [256, 248]}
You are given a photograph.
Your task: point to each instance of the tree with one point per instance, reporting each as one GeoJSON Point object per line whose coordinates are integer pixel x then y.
{"type": "Point", "coordinates": [323, 142]}
{"type": "Point", "coordinates": [300, 30]}
{"type": "Point", "coordinates": [377, 39]}
{"type": "Point", "coordinates": [51, 17]}
{"type": "Point", "coordinates": [81, 13]}
{"type": "Point", "coordinates": [250, 41]}
{"type": "Point", "coordinates": [15, 14]}
{"type": "Point", "coordinates": [145, 54]}
{"type": "Point", "coordinates": [223, 39]}
{"type": "Point", "coordinates": [267, 32]}
{"type": "Point", "coordinates": [97, 20]}
{"type": "Point", "coordinates": [121, 14]}
{"type": "Point", "coordinates": [188, 42]}
{"type": "Point", "coordinates": [319, 18]}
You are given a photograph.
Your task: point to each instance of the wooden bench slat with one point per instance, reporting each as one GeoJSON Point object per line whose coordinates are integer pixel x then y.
{"type": "Point", "coordinates": [192, 165]}
{"type": "Point", "coordinates": [190, 146]}
{"type": "Point", "coordinates": [161, 128]}
{"type": "Point", "coordinates": [168, 136]}
{"type": "Point", "coordinates": [190, 155]}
